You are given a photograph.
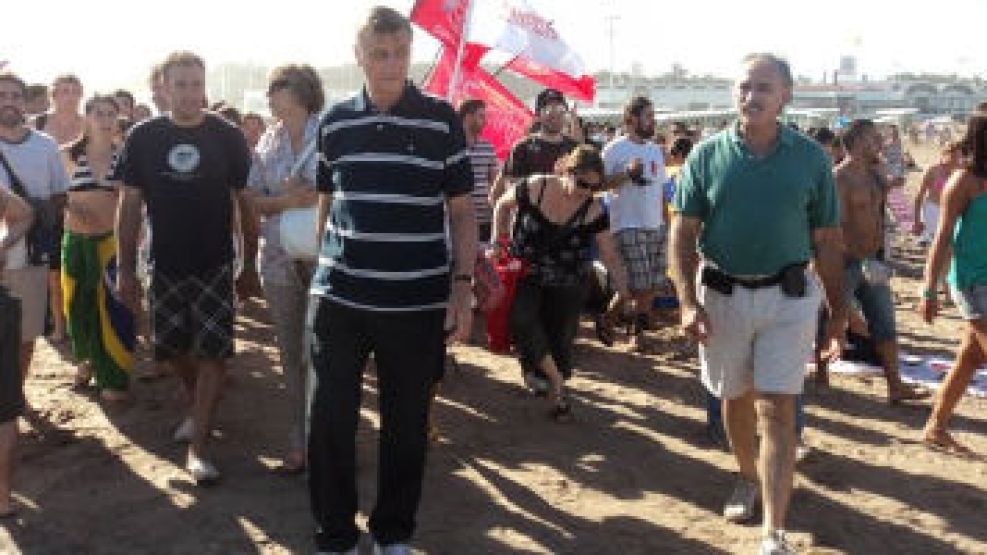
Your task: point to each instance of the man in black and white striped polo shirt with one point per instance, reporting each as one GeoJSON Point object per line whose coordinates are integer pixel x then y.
{"type": "Point", "coordinates": [483, 160]}
{"type": "Point", "coordinates": [393, 166]}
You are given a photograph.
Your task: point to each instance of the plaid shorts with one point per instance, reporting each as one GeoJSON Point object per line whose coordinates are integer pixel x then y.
{"type": "Point", "coordinates": [643, 254]}
{"type": "Point", "coordinates": [193, 314]}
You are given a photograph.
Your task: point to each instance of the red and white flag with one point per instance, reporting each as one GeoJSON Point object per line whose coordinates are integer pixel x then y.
{"type": "Point", "coordinates": [517, 28]}
{"type": "Point", "coordinates": [443, 19]}
{"type": "Point", "coordinates": [513, 27]}
{"type": "Point", "coordinates": [508, 118]}
{"type": "Point", "coordinates": [581, 88]}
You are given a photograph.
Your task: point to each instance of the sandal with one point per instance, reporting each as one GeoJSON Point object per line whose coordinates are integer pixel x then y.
{"type": "Point", "coordinates": [292, 464]}
{"type": "Point", "coordinates": [604, 330]}
{"type": "Point", "coordinates": [907, 393]}
{"type": "Point", "coordinates": [83, 375]}
{"type": "Point", "coordinates": [562, 411]}
{"type": "Point", "coordinates": [114, 396]}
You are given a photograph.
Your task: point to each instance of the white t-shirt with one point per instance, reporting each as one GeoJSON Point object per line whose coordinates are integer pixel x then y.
{"type": "Point", "coordinates": [38, 163]}
{"type": "Point", "coordinates": [634, 206]}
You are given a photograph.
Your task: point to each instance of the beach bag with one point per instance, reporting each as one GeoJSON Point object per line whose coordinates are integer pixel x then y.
{"type": "Point", "coordinates": [41, 240]}
{"type": "Point", "coordinates": [488, 290]}
{"type": "Point", "coordinates": [298, 225]}
{"type": "Point", "coordinates": [510, 270]}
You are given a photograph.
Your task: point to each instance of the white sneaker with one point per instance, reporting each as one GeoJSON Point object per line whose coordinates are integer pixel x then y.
{"type": "Point", "coordinates": [775, 544]}
{"type": "Point", "coordinates": [184, 431]}
{"type": "Point", "coordinates": [743, 501]}
{"type": "Point", "coordinates": [392, 549]}
{"type": "Point", "coordinates": [202, 471]}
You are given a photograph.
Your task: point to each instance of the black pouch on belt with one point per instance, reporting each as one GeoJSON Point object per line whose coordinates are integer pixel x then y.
{"type": "Point", "coordinates": [716, 280]}
{"type": "Point", "coordinates": [793, 281]}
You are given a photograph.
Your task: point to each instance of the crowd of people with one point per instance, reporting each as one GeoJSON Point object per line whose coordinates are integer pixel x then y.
{"type": "Point", "coordinates": [362, 223]}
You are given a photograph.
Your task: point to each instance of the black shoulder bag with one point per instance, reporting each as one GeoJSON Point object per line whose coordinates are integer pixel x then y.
{"type": "Point", "coordinates": [40, 239]}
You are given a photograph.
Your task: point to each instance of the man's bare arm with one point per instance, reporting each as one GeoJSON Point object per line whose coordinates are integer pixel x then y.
{"type": "Point", "coordinates": [322, 214]}
{"type": "Point", "coordinates": [828, 259]}
{"type": "Point", "coordinates": [500, 184]}
{"type": "Point", "coordinates": [683, 257]}
{"type": "Point", "coordinates": [16, 215]}
{"type": "Point", "coordinates": [128, 226]}
{"type": "Point", "coordinates": [463, 231]}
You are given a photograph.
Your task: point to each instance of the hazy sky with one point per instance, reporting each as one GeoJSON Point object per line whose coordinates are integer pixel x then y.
{"type": "Point", "coordinates": [113, 42]}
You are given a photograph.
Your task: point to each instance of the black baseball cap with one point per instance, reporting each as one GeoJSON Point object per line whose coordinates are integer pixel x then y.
{"type": "Point", "coordinates": [549, 96]}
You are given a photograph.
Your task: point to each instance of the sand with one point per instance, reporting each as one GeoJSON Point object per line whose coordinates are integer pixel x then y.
{"type": "Point", "coordinates": [633, 474]}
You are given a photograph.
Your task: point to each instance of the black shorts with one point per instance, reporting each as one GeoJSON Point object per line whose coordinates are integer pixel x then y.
{"type": "Point", "coordinates": [193, 314]}
{"type": "Point", "coordinates": [11, 384]}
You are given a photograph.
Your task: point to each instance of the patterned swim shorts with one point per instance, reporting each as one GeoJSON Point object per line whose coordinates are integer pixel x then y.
{"type": "Point", "coordinates": [643, 253]}
{"type": "Point", "coordinates": [193, 314]}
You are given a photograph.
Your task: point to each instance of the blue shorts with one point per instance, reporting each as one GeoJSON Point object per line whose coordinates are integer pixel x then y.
{"type": "Point", "coordinates": [876, 302]}
{"type": "Point", "coordinates": [971, 302]}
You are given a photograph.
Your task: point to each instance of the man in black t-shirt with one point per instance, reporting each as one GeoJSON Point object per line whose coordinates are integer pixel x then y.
{"type": "Point", "coordinates": [538, 152]}
{"type": "Point", "coordinates": [189, 167]}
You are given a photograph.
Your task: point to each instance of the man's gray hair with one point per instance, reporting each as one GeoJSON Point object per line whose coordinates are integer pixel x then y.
{"type": "Point", "coordinates": [781, 65]}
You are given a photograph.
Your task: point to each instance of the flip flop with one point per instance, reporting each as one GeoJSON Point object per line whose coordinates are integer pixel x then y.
{"type": "Point", "coordinates": [907, 393]}
{"type": "Point", "coordinates": [562, 411]}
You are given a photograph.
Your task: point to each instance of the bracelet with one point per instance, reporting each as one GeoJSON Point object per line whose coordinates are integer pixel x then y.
{"type": "Point", "coordinates": [929, 295]}
{"type": "Point", "coordinates": [463, 277]}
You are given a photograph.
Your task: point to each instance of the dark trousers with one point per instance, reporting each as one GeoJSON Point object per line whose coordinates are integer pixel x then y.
{"type": "Point", "coordinates": [544, 320]}
{"type": "Point", "coordinates": [11, 384]}
{"type": "Point", "coordinates": [409, 350]}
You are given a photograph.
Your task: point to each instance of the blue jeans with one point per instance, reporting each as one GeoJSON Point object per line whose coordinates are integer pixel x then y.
{"type": "Point", "coordinates": [714, 414]}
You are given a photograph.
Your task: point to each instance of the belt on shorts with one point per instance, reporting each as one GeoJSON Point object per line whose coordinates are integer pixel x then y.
{"type": "Point", "coordinates": [724, 283]}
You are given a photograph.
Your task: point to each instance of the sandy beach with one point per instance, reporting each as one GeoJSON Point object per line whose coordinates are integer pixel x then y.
{"type": "Point", "coordinates": [634, 473]}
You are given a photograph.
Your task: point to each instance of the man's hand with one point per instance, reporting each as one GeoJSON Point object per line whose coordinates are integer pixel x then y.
{"type": "Point", "coordinates": [835, 338]}
{"type": "Point", "coordinates": [248, 283]}
{"type": "Point", "coordinates": [128, 289]}
{"type": "Point", "coordinates": [695, 324]}
{"type": "Point", "coordinates": [459, 314]}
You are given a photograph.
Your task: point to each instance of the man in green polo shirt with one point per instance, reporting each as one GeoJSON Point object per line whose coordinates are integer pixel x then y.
{"type": "Point", "coordinates": [758, 200]}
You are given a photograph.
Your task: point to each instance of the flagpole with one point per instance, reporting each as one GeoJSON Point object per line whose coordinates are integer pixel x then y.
{"type": "Point", "coordinates": [460, 49]}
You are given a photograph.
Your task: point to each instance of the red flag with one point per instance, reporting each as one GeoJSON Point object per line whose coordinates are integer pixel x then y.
{"type": "Point", "coordinates": [582, 87]}
{"type": "Point", "coordinates": [443, 19]}
{"type": "Point", "coordinates": [507, 117]}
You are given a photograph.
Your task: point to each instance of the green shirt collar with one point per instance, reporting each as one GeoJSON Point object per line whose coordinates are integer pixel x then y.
{"type": "Point", "coordinates": [786, 137]}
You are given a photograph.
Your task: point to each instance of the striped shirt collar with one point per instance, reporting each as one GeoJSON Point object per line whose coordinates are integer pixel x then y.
{"type": "Point", "coordinates": [404, 103]}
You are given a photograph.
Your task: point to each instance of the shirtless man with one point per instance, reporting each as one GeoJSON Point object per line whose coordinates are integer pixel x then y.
{"type": "Point", "coordinates": [862, 189]}
{"type": "Point", "coordinates": [64, 123]}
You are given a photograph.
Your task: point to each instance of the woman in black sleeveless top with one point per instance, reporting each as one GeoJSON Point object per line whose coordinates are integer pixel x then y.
{"type": "Point", "coordinates": [557, 218]}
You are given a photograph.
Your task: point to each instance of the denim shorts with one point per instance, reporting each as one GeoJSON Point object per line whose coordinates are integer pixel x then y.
{"type": "Point", "coordinates": [971, 302]}
{"type": "Point", "coordinates": [876, 302]}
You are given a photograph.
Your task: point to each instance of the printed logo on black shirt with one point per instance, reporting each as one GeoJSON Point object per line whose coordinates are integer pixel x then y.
{"type": "Point", "coordinates": [184, 159]}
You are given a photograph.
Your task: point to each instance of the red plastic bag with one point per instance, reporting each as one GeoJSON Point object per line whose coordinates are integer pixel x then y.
{"type": "Point", "coordinates": [510, 270]}
{"type": "Point", "coordinates": [488, 290]}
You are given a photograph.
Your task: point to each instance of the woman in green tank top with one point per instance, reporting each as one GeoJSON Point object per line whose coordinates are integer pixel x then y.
{"type": "Point", "coordinates": [963, 232]}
